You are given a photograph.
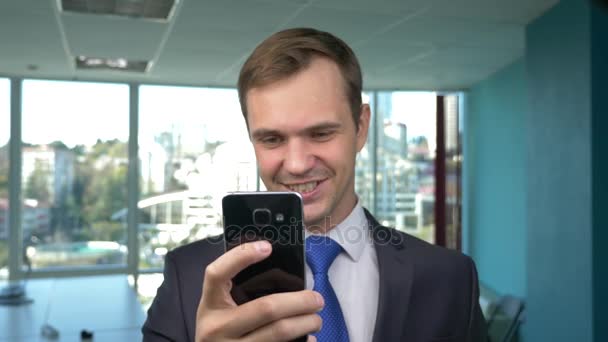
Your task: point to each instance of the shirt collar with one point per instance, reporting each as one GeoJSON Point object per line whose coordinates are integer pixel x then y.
{"type": "Point", "coordinates": [351, 234]}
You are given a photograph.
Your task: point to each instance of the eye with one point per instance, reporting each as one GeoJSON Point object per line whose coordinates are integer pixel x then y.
{"type": "Point", "coordinates": [271, 140]}
{"type": "Point", "coordinates": [322, 135]}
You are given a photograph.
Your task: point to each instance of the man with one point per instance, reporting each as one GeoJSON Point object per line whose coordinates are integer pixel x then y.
{"type": "Point", "coordinates": [300, 93]}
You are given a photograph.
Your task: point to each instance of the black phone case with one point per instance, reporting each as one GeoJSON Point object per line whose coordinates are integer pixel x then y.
{"type": "Point", "coordinates": [275, 217]}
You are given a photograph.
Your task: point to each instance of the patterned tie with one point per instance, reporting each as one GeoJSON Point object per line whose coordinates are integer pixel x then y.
{"type": "Point", "coordinates": [320, 253]}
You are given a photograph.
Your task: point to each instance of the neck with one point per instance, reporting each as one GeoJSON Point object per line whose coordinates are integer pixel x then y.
{"type": "Point", "coordinates": [327, 223]}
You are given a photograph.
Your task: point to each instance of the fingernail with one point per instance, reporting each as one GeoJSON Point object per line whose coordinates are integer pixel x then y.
{"type": "Point", "coordinates": [320, 299]}
{"type": "Point", "coordinates": [262, 246]}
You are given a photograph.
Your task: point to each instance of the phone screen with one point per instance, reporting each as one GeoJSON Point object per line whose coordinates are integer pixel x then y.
{"type": "Point", "coordinates": [277, 218]}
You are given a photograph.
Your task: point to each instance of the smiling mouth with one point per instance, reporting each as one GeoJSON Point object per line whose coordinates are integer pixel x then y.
{"type": "Point", "coordinates": [303, 187]}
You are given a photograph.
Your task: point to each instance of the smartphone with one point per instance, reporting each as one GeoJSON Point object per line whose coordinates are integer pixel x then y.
{"type": "Point", "coordinates": [275, 217]}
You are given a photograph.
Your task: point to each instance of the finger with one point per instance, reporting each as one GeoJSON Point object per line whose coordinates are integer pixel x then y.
{"type": "Point", "coordinates": [274, 307]}
{"type": "Point", "coordinates": [311, 338]}
{"type": "Point", "coordinates": [219, 273]}
{"type": "Point", "coordinates": [286, 329]}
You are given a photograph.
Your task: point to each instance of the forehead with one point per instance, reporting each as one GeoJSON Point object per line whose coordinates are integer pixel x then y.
{"type": "Point", "coordinates": [314, 94]}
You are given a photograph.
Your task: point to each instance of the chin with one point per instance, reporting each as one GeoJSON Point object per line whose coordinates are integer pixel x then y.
{"type": "Point", "coordinates": [315, 217]}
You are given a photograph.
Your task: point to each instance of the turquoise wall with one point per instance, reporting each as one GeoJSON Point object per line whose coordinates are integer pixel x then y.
{"type": "Point", "coordinates": [495, 180]}
{"type": "Point", "coordinates": [599, 124]}
{"type": "Point", "coordinates": [559, 182]}
{"type": "Point", "coordinates": [536, 158]}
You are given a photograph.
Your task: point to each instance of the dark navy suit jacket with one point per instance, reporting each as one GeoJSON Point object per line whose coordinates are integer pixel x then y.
{"type": "Point", "coordinates": [426, 293]}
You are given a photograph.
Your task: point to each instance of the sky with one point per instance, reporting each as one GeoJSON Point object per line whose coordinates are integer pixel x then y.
{"type": "Point", "coordinates": [201, 114]}
{"type": "Point", "coordinates": [74, 112]}
{"type": "Point", "coordinates": [82, 112]}
{"type": "Point", "coordinates": [417, 111]}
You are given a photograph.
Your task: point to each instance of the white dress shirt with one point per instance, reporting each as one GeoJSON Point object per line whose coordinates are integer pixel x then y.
{"type": "Point", "coordinates": [354, 275]}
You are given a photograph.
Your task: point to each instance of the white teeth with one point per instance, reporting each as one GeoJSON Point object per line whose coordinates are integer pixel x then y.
{"type": "Point", "coordinates": [302, 188]}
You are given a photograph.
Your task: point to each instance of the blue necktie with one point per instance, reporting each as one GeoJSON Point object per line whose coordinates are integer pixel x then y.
{"type": "Point", "coordinates": [320, 253]}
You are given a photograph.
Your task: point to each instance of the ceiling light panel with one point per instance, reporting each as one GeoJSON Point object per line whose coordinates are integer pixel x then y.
{"type": "Point", "coordinates": [118, 64]}
{"type": "Point", "coordinates": [146, 9]}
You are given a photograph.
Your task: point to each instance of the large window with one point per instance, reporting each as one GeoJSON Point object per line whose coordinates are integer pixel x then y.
{"type": "Point", "coordinates": [74, 173]}
{"type": "Point", "coordinates": [406, 141]}
{"type": "Point", "coordinates": [193, 149]}
{"type": "Point", "coordinates": [4, 165]}
{"type": "Point", "coordinates": [364, 169]}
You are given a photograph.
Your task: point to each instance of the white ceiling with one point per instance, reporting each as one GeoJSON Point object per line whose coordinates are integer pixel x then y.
{"type": "Point", "coordinates": [402, 44]}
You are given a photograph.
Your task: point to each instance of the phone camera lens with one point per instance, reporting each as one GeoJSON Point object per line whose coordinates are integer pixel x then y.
{"type": "Point", "coordinates": [261, 217]}
{"type": "Point", "coordinates": [279, 217]}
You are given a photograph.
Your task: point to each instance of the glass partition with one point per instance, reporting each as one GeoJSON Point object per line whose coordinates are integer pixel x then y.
{"type": "Point", "coordinates": [193, 149]}
{"type": "Point", "coordinates": [453, 171]}
{"type": "Point", "coordinates": [364, 169]}
{"type": "Point", "coordinates": [74, 173]}
{"type": "Point", "coordinates": [405, 162]}
{"type": "Point", "coordinates": [5, 111]}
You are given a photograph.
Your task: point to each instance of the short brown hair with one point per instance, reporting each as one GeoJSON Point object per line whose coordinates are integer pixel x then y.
{"type": "Point", "coordinates": [287, 52]}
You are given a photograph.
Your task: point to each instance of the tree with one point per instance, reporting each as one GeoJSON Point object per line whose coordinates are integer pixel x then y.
{"type": "Point", "coordinates": [4, 171]}
{"type": "Point", "coordinates": [3, 253]}
{"type": "Point", "coordinates": [100, 189]}
{"type": "Point", "coordinates": [58, 145]}
{"type": "Point", "coordinates": [3, 182]}
{"type": "Point", "coordinates": [37, 185]}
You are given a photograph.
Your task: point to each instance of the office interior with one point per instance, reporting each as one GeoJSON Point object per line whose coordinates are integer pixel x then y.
{"type": "Point", "coordinates": [93, 92]}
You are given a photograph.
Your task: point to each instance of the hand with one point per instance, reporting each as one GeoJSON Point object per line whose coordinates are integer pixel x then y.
{"type": "Point", "coordinates": [276, 317]}
{"type": "Point", "coordinates": [260, 284]}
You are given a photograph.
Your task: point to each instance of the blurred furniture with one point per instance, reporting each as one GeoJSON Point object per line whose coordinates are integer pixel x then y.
{"type": "Point", "coordinates": [505, 318]}
{"type": "Point", "coordinates": [487, 299]}
{"type": "Point", "coordinates": [106, 305]}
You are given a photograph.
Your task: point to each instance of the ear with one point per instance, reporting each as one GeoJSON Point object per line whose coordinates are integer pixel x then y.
{"type": "Point", "coordinates": [362, 131]}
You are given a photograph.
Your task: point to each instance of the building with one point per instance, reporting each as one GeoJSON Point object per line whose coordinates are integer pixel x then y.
{"type": "Point", "coordinates": [53, 169]}
{"type": "Point", "coordinates": [36, 218]}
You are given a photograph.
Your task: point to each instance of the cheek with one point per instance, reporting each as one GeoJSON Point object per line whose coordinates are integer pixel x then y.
{"type": "Point", "coordinates": [337, 156]}
{"type": "Point", "coordinates": [268, 162]}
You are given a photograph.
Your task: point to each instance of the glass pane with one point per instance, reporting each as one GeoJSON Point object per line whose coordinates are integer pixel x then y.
{"type": "Point", "coordinates": [193, 149]}
{"type": "Point", "coordinates": [74, 173]}
{"type": "Point", "coordinates": [5, 127]}
{"type": "Point", "coordinates": [363, 167]}
{"type": "Point", "coordinates": [406, 154]}
{"type": "Point", "coordinates": [453, 159]}
{"type": "Point", "coordinates": [147, 285]}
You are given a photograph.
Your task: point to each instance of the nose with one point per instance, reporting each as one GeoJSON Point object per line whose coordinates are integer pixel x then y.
{"type": "Point", "coordinates": [299, 158]}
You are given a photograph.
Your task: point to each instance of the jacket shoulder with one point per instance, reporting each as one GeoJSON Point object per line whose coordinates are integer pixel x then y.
{"type": "Point", "coordinates": [171, 317]}
{"type": "Point", "coordinates": [197, 254]}
{"type": "Point", "coordinates": [414, 247]}
{"type": "Point", "coordinates": [429, 255]}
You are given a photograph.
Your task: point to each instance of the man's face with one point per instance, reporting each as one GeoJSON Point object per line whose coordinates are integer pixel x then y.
{"type": "Point", "coordinates": [305, 140]}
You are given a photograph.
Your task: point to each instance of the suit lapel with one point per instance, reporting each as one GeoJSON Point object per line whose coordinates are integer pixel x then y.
{"type": "Point", "coordinates": [396, 274]}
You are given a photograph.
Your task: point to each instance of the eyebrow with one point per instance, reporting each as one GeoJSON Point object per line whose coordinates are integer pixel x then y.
{"type": "Point", "coordinates": [262, 132]}
{"type": "Point", "coordinates": [323, 125]}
